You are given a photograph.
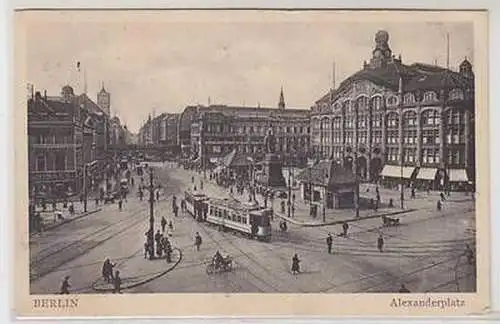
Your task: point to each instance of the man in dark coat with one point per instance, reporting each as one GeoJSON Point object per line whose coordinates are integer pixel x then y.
{"type": "Point", "coordinates": [65, 286]}
{"type": "Point", "coordinates": [403, 289]}
{"type": "Point", "coordinates": [163, 224]}
{"type": "Point", "coordinates": [345, 227]}
{"type": "Point", "coordinates": [380, 243]}
{"type": "Point", "coordinates": [197, 241]}
{"type": "Point", "coordinates": [107, 270]}
{"type": "Point", "coordinates": [117, 282]}
{"type": "Point", "coordinates": [295, 264]}
{"type": "Point", "coordinates": [329, 242]}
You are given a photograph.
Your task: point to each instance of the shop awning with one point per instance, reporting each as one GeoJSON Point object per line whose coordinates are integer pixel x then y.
{"type": "Point", "coordinates": [395, 171]}
{"type": "Point", "coordinates": [407, 172]}
{"type": "Point", "coordinates": [427, 173]}
{"type": "Point", "coordinates": [458, 175]}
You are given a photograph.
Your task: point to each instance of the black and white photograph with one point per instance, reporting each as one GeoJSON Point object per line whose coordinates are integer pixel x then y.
{"type": "Point", "coordinates": [284, 153]}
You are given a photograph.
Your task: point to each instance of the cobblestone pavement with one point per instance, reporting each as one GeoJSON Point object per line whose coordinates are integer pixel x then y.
{"type": "Point", "coordinates": [425, 251]}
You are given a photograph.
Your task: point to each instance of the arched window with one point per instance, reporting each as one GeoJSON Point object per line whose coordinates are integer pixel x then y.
{"type": "Point", "coordinates": [431, 117]}
{"type": "Point", "coordinates": [362, 103]}
{"type": "Point", "coordinates": [392, 101]}
{"type": "Point", "coordinates": [456, 94]}
{"type": "Point", "coordinates": [409, 99]}
{"type": "Point", "coordinates": [349, 108]}
{"type": "Point", "coordinates": [430, 96]}
{"type": "Point", "coordinates": [409, 118]}
{"type": "Point", "coordinates": [377, 103]}
{"type": "Point", "coordinates": [392, 120]}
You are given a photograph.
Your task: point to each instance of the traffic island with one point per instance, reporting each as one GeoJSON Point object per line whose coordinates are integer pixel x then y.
{"type": "Point", "coordinates": [341, 220]}
{"type": "Point", "coordinates": [138, 271]}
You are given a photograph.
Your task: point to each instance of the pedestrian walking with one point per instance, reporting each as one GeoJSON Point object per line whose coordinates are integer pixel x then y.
{"type": "Point", "coordinates": [107, 270]}
{"type": "Point", "coordinates": [282, 206]}
{"type": "Point", "coordinates": [201, 184]}
{"type": "Point", "coordinates": [345, 227]}
{"type": "Point", "coordinates": [469, 254]}
{"type": "Point", "coordinates": [403, 289]}
{"type": "Point", "coordinates": [295, 264]}
{"type": "Point", "coordinates": [293, 210]}
{"type": "Point", "coordinates": [380, 243]}
{"type": "Point", "coordinates": [443, 198]}
{"type": "Point", "coordinates": [97, 201]}
{"type": "Point", "coordinates": [412, 193]}
{"type": "Point", "coordinates": [146, 249]}
{"type": "Point", "coordinates": [439, 205]}
{"type": "Point", "coordinates": [120, 204]}
{"type": "Point", "coordinates": [65, 286]}
{"type": "Point", "coordinates": [157, 194]}
{"type": "Point", "coordinates": [329, 242]}
{"type": "Point", "coordinates": [197, 241]}
{"type": "Point", "coordinates": [117, 283]}
{"type": "Point", "coordinates": [170, 225]}
{"type": "Point", "coordinates": [192, 179]}
{"type": "Point", "coordinates": [163, 224]}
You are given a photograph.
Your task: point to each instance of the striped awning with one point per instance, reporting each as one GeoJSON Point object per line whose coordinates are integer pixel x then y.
{"type": "Point", "coordinates": [457, 175]}
{"type": "Point", "coordinates": [391, 171]}
{"type": "Point", "coordinates": [407, 172]}
{"type": "Point", "coordinates": [395, 171]}
{"type": "Point", "coordinates": [427, 173]}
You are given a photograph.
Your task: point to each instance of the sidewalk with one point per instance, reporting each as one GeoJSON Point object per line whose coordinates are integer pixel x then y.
{"type": "Point", "coordinates": [136, 271]}
{"type": "Point", "coordinates": [51, 220]}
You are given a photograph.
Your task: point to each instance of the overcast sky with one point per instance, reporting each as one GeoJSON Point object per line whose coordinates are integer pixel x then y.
{"type": "Point", "coordinates": [166, 60]}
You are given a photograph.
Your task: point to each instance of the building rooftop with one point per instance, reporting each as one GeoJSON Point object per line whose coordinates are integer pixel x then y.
{"type": "Point", "coordinates": [327, 173]}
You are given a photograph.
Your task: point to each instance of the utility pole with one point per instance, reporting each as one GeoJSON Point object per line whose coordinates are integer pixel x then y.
{"type": "Point", "coordinates": [289, 191]}
{"type": "Point", "coordinates": [357, 179]}
{"type": "Point", "coordinates": [402, 187]}
{"type": "Point", "coordinates": [151, 216]}
{"type": "Point", "coordinates": [85, 187]}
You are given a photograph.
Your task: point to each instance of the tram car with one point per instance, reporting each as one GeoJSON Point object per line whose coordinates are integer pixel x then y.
{"type": "Point", "coordinates": [249, 219]}
{"type": "Point", "coordinates": [195, 204]}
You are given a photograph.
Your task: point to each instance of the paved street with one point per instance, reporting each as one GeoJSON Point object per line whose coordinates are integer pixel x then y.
{"type": "Point", "coordinates": [424, 252]}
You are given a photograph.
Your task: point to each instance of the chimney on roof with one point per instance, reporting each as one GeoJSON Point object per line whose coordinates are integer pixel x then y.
{"type": "Point", "coordinates": [38, 95]}
{"type": "Point", "coordinates": [45, 94]}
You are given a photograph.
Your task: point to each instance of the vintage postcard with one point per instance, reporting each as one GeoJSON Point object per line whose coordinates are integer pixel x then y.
{"type": "Point", "coordinates": [251, 162]}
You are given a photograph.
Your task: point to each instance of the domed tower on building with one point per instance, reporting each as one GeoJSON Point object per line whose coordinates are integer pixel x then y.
{"type": "Point", "coordinates": [466, 68]}
{"type": "Point", "coordinates": [382, 53]}
{"type": "Point", "coordinates": [103, 100]}
{"type": "Point", "coordinates": [67, 93]}
{"type": "Point", "coordinates": [281, 103]}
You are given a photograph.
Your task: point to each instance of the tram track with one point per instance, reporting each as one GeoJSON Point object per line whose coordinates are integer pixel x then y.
{"type": "Point", "coordinates": [51, 259]}
{"type": "Point", "coordinates": [223, 247]}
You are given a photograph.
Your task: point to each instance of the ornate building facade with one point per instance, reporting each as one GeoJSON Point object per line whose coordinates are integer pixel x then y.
{"type": "Point", "coordinates": [400, 121]}
{"type": "Point", "coordinates": [217, 130]}
{"type": "Point", "coordinates": [66, 135]}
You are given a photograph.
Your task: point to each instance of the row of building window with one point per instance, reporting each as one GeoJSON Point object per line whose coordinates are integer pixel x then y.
{"type": "Point", "coordinates": [220, 128]}
{"type": "Point", "coordinates": [408, 99]}
{"type": "Point", "coordinates": [59, 162]}
{"type": "Point", "coordinates": [429, 137]}
{"type": "Point", "coordinates": [429, 118]}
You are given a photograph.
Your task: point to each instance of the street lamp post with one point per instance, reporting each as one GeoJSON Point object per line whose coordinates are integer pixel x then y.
{"type": "Point", "coordinates": [357, 180]}
{"type": "Point", "coordinates": [289, 191]}
{"type": "Point", "coordinates": [402, 187]}
{"type": "Point", "coordinates": [151, 216]}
